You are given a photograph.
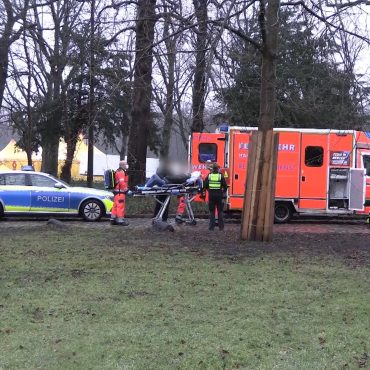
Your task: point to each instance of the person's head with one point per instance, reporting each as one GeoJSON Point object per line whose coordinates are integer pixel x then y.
{"type": "Point", "coordinates": [162, 166]}
{"type": "Point", "coordinates": [177, 167]}
{"type": "Point", "coordinates": [209, 164]}
{"type": "Point", "coordinates": [215, 167]}
{"type": "Point", "coordinates": [123, 165]}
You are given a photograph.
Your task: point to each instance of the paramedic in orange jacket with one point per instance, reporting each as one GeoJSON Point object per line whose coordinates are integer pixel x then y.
{"type": "Point", "coordinates": [120, 189]}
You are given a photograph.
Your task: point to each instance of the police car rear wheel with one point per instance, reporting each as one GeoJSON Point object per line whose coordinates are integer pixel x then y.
{"type": "Point", "coordinates": [1, 211]}
{"type": "Point", "coordinates": [92, 210]}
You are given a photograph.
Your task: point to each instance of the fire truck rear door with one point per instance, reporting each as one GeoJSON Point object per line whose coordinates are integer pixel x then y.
{"type": "Point", "coordinates": [207, 147]}
{"type": "Point", "coordinates": [314, 171]}
{"type": "Point", "coordinates": [363, 161]}
{"type": "Point", "coordinates": [239, 161]}
{"type": "Point", "coordinates": [357, 189]}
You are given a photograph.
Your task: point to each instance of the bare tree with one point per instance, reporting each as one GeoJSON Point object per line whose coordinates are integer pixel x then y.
{"type": "Point", "coordinates": [22, 103]}
{"type": "Point", "coordinates": [52, 60]}
{"type": "Point", "coordinates": [11, 13]}
{"type": "Point", "coordinates": [166, 62]}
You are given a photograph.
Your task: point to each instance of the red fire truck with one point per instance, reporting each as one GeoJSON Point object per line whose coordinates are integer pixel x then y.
{"type": "Point", "coordinates": [318, 171]}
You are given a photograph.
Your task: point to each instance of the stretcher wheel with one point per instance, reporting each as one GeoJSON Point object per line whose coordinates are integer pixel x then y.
{"type": "Point", "coordinates": [192, 223]}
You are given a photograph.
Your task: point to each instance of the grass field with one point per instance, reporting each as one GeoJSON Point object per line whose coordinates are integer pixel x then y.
{"type": "Point", "coordinates": [78, 299]}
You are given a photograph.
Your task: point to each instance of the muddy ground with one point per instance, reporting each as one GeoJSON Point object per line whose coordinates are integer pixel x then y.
{"type": "Point", "coordinates": [347, 240]}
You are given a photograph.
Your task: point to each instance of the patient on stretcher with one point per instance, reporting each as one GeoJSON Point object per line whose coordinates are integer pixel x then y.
{"type": "Point", "coordinates": [193, 179]}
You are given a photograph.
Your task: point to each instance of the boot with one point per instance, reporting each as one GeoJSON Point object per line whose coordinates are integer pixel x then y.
{"type": "Point", "coordinates": [179, 219]}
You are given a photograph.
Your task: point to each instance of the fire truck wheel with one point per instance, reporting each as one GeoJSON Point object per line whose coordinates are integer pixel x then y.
{"type": "Point", "coordinates": [283, 213]}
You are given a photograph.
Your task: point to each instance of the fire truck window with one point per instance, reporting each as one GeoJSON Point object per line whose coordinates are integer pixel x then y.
{"type": "Point", "coordinates": [366, 159]}
{"type": "Point", "coordinates": [314, 156]}
{"type": "Point", "coordinates": [207, 152]}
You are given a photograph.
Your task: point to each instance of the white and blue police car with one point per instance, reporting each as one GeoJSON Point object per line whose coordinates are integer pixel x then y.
{"type": "Point", "coordinates": [36, 193]}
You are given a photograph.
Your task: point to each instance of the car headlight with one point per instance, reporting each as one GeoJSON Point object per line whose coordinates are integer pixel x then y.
{"type": "Point", "coordinates": [110, 197]}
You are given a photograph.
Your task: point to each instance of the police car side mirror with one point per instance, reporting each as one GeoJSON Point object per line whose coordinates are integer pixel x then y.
{"type": "Point", "coordinates": [59, 185]}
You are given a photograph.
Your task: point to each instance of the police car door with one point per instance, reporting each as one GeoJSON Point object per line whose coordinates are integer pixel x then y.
{"type": "Point", "coordinates": [15, 195]}
{"type": "Point", "coordinates": [45, 197]}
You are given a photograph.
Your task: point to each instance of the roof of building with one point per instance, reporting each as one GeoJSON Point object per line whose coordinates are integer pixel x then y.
{"type": "Point", "coordinates": [6, 134]}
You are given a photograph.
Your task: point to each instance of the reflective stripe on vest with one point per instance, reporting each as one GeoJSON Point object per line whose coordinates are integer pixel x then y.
{"type": "Point", "coordinates": [214, 181]}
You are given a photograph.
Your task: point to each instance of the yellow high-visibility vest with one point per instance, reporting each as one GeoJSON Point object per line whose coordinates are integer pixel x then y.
{"type": "Point", "coordinates": [214, 180]}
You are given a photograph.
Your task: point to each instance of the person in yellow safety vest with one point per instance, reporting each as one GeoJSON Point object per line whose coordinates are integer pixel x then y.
{"type": "Point", "coordinates": [216, 185]}
{"type": "Point", "coordinates": [223, 171]}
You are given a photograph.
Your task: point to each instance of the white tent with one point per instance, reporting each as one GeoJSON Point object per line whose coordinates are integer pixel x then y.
{"type": "Point", "coordinates": [12, 154]}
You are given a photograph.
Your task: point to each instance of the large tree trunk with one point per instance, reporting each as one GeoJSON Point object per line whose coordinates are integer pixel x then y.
{"type": "Point", "coordinates": [142, 91]}
{"type": "Point", "coordinates": [52, 128]}
{"type": "Point", "coordinates": [170, 87]}
{"type": "Point", "coordinates": [257, 216]}
{"type": "Point", "coordinates": [29, 157]}
{"type": "Point", "coordinates": [4, 49]}
{"type": "Point", "coordinates": [50, 156]}
{"type": "Point", "coordinates": [199, 84]}
{"type": "Point", "coordinates": [123, 148]}
{"type": "Point", "coordinates": [90, 131]}
{"type": "Point", "coordinates": [67, 167]}
{"type": "Point", "coordinates": [4, 61]}
{"type": "Point", "coordinates": [52, 131]}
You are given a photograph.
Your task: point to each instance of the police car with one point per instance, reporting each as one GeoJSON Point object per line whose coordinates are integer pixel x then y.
{"type": "Point", "coordinates": [37, 193]}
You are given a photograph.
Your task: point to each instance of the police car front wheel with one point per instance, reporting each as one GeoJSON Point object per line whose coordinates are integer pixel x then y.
{"type": "Point", "coordinates": [91, 210]}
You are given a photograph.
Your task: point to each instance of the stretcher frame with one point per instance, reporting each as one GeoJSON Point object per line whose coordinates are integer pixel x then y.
{"type": "Point", "coordinates": [171, 190]}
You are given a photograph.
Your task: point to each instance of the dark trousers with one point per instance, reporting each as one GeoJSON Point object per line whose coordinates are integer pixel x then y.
{"type": "Point", "coordinates": [158, 206]}
{"type": "Point", "coordinates": [215, 201]}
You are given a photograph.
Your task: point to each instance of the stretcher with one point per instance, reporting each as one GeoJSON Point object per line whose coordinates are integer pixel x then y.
{"type": "Point", "coordinates": [167, 191]}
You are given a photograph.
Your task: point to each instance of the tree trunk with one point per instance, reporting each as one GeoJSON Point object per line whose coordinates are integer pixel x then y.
{"type": "Point", "coordinates": [29, 133]}
{"type": "Point", "coordinates": [123, 149]}
{"type": "Point", "coordinates": [199, 84]}
{"type": "Point", "coordinates": [29, 157]}
{"type": "Point", "coordinates": [4, 61]}
{"type": "Point", "coordinates": [142, 91]}
{"type": "Point", "coordinates": [168, 117]}
{"type": "Point", "coordinates": [50, 156]}
{"type": "Point", "coordinates": [52, 128]}
{"type": "Point", "coordinates": [90, 131]}
{"type": "Point", "coordinates": [67, 167]}
{"type": "Point", "coordinates": [257, 220]}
